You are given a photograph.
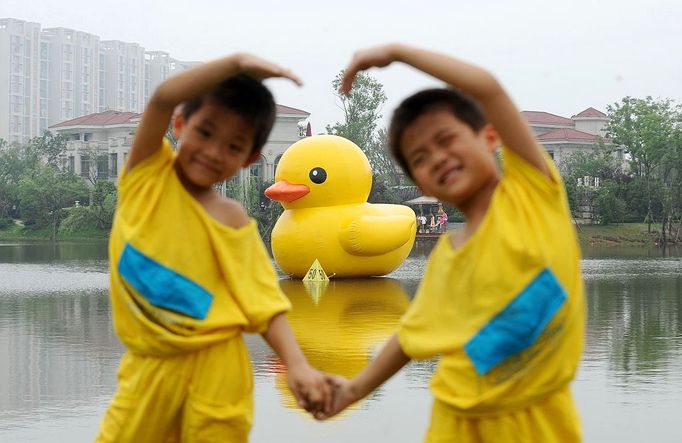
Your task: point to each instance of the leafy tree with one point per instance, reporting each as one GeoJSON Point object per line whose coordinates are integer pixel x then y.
{"type": "Point", "coordinates": [361, 110]}
{"type": "Point", "coordinates": [15, 162]}
{"type": "Point", "coordinates": [50, 148]}
{"type": "Point", "coordinates": [598, 164]}
{"type": "Point", "coordinates": [361, 116]}
{"type": "Point", "coordinates": [383, 166]}
{"type": "Point", "coordinates": [609, 204]}
{"type": "Point", "coordinates": [103, 203]}
{"type": "Point", "coordinates": [44, 193]}
{"type": "Point", "coordinates": [646, 128]}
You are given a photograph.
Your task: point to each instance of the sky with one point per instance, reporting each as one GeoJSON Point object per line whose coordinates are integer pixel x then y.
{"type": "Point", "coordinates": [559, 57]}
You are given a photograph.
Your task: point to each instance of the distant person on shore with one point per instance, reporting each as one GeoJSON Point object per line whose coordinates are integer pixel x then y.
{"type": "Point", "coordinates": [442, 220]}
{"type": "Point", "coordinates": [189, 272]}
{"type": "Point", "coordinates": [421, 219]}
{"type": "Point", "coordinates": [501, 300]}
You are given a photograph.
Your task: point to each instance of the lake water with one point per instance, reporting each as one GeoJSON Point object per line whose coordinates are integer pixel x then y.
{"type": "Point", "coordinates": [58, 354]}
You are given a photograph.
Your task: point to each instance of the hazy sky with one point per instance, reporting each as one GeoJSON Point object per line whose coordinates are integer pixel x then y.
{"type": "Point", "coordinates": [560, 57]}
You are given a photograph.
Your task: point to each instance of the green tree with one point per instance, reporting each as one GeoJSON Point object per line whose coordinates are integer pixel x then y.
{"type": "Point", "coordinates": [49, 148]}
{"type": "Point", "coordinates": [15, 162]}
{"type": "Point", "coordinates": [383, 166]}
{"type": "Point", "coordinates": [44, 193]}
{"type": "Point", "coordinates": [361, 110]}
{"type": "Point", "coordinates": [361, 117]}
{"type": "Point", "coordinates": [608, 203]}
{"type": "Point", "coordinates": [646, 128]}
{"type": "Point", "coordinates": [103, 203]}
{"type": "Point", "coordinates": [601, 165]}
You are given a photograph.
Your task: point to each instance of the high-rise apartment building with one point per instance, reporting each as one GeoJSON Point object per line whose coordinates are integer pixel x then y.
{"type": "Point", "coordinates": [159, 65]}
{"type": "Point", "coordinates": [19, 79]}
{"type": "Point", "coordinates": [72, 70]}
{"type": "Point", "coordinates": [56, 74]}
{"type": "Point", "coordinates": [123, 79]}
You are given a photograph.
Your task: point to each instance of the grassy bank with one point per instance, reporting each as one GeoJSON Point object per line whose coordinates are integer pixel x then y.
{"type": "Point", "coordinates": [623, 234]}
{"type": "Point", "coordinates": [17, 233]}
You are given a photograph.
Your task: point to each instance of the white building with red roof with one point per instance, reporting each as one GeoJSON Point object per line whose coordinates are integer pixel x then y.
{"type": "Point", "coordinates": [563, 136]}
{"type": "Point", "coordinates": [98, 144]}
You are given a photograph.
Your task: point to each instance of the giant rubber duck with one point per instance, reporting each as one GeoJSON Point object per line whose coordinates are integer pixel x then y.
{"type": "Point", "coordinates": [323, 183]}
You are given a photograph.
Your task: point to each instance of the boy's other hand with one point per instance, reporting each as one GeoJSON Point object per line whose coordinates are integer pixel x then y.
{"type": "Point", "coordinates": [262, 69]}
{"type": "Point", "coordinates": [310, 388]}
{"type": "Point", "coordinates": [343, 394]}
{"type": "Point", "coordinates": [376, 57]}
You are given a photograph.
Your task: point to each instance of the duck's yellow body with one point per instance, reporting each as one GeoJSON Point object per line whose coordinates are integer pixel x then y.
{"type": "Point", "coordinates": [323, 183]}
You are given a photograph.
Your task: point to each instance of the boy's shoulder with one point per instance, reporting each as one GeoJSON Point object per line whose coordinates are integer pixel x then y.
{"type": "Point", "coordinates": [227, 211]}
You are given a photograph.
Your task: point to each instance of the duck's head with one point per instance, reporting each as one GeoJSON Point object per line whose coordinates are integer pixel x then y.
{"type": "Point", "coordinates": [323, 170]}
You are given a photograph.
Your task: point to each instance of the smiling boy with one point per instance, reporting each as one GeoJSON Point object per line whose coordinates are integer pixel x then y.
{"type": "Point", "coordinates": [501, 300]}
{"type": "Point", "coordinates": [189, 272]}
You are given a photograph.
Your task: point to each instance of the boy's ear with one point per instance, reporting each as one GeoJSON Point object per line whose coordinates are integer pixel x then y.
{"type": "Point", "coordinates": [178, 122]}
{"type": "Point", "coordinates": [492, 138]}
{"type": "Point", "coordinates": [252, 159]}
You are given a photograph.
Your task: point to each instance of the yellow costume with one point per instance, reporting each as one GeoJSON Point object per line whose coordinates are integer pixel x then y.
{"type": "Point", "coordinates": [183, 288]}
{"type": "Point", "coordinates": [505, 311]}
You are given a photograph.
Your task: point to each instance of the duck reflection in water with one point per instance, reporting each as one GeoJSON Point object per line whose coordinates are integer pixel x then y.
{"type": "Point", "coordinates": [341, 324]}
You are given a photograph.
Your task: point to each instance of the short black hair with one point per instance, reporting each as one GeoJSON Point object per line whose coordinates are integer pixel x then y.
{"type": "Point", "coordinates": [463, 107]}
{"type": "Point", "coordinates": [246, 96]}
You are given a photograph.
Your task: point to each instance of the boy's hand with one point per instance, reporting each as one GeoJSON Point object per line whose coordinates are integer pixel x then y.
{"type": "Point", "coordinates": [310, 388]}
{"type": "Point", "coordinates": [344, 394]}
{"type": "Point", "coordinates": [377, 57]}
{"type": "Point", "coordinates": [262, 69]}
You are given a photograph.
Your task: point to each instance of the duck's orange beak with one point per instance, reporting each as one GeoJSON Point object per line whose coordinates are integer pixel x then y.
{"type": "Point", "coordinates": [285, 192]}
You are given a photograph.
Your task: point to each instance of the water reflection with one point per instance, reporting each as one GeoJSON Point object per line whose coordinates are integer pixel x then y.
{"type": "Point", "coordinates": [40, 252]}
{"type": "Point", "coordinates": [60, 354]}
{"type": "Point", "coordinates": [630, 381]}
{"type": "Point", "coordinates": [340, 325]}
{"type": "Point", "coordinates": [634, 314]}
{"type": "Point", "coordinates": [55, 333]}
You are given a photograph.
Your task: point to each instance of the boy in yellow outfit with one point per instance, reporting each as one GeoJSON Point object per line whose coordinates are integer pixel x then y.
{"type": "Point", "coordinates": [189, 272]}
{"type": "Point", "coordinates": [501, 300]}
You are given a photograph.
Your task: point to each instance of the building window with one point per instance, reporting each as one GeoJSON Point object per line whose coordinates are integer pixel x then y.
{"type": "Point", "coordinates": [102, 166]}
{"type": "Point", "coordinates": [279, 157]}
{"type": "Point", "coordinates": [85, 166]}
{"type": "Point", "coordinates": [257, 169]}
{"type": "Point", "coordinates": [113, 164]}
{"type": "Point", "coordinates": [72, 164]}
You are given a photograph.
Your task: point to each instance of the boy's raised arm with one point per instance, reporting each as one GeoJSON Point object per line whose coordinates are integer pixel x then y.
{"type": "Point", "coordinates": [472, 80]}
{"type": "Point", "coordinates": [187, 85]}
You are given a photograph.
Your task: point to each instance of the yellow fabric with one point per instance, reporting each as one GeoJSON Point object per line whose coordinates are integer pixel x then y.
{"type": "Point", "coordinates": [157, 216]}
{"type": "Point", "coordinates": [204, 396]}
{"type": "Point", "coordinates": [550, 420]}
{"type": "Point", "coordinates": [184, 377]}
{"type": "Point", "coordinates": [527, 229]}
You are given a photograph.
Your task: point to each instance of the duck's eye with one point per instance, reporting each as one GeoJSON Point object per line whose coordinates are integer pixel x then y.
{"type": "Point", "coordinates": [318, 175]}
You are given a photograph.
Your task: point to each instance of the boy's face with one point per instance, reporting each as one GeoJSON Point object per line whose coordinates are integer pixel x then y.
{"type": "Point", "coordinates": [447, 159]}
{"type": "Point", "coordinates": [214, 144]}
